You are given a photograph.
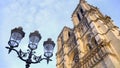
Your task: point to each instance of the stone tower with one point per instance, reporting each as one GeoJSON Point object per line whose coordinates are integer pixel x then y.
{"type": "Point", "coordinates": [94, 42]}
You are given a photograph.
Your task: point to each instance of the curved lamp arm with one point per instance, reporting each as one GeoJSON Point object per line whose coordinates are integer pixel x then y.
{"type": "Point", "coordinates": [30, 53]}
{"type": "Point", "coordinates": [18, 53]}
{"type": "Point", "coordinates": [40, 59]}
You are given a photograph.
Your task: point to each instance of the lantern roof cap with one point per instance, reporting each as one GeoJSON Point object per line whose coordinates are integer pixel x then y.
{"type": "Point", "coordinates": [19, 30]}
{"type": "Point", "coordinates": [49, 41]}
{"type": "Point", "coordinates": [35, 33]}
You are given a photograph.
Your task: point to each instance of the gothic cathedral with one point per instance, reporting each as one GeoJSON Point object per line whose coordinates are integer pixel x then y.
{"type": "Point", "coordinates": [94, 42]}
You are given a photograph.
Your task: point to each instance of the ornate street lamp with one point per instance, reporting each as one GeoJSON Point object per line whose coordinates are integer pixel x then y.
{"type": "Point", "coordinates": [16, 36]}
{"type": "Point", "coordinates": [29, 57]}
{"type": "Point", "coordinates": [34, 39]}
{"type": "Point", "coordinates": [48, 49]}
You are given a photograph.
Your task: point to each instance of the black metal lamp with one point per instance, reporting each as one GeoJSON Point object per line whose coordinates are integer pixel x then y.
{"type": "Point", "coordinates": [34, 39]}
{"type": "Point", "coordinates": [48, 48]}
{"type": "Point", "coordinates": [16, 36]}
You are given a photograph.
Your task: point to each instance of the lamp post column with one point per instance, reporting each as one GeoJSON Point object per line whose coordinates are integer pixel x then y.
{"type": "Point", "coordinates": [28, 62]}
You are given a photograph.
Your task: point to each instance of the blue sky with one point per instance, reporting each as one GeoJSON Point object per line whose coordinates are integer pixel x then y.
{"type": "Point", "coordinates": [47, 16]}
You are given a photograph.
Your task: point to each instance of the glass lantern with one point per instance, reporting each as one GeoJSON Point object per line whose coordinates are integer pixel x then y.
{"type": "Point", "coordinates": [16, 36]}
{"type": "Point", "coordinates": [34, 39]}
{"type": "Point", "coordinates": [48, 48]}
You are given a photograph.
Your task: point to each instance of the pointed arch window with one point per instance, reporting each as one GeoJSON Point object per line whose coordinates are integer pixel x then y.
{"type": "Point", "coordinates": [78, 16]}
{"type": "Point", "coordinates": [94, 42]}
{"type": "Point", "coordinates": [85, 22]}
{"type": "Point", "coordinates": [69, 34]}
{"type": "Point", "coordinates": [76, 56]}
{"type": "Point", "coordinates": [75, 41]}
{"type": "Point", "coordinates": [89, 46]}
{"type": "Point", "coordinates": [82, 12]}
{"type": "Point", "coordinates": [89, 37]}
{"type": "Point", "coordinates": [91, 41]}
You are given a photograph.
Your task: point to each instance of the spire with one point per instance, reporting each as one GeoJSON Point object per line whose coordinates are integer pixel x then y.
{"type": "Point", "coordinates": [82, 1]}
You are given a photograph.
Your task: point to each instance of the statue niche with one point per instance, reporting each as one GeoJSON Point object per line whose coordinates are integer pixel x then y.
{"type": "Point", "coordinates": [91, 41]}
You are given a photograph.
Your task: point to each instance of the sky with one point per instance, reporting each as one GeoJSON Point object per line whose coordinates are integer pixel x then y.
{"type": "Point", "coordinates": [48, 17]}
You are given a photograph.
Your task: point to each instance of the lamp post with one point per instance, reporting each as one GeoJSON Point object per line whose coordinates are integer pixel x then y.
{"type": "Point", "coordinates": [29, 57]}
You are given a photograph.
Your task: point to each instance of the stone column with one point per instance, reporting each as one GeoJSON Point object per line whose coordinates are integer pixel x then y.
{"type": "Point", "coordinates": [79, 43]}
{"type": "Point", "coordinates": [66, 57]}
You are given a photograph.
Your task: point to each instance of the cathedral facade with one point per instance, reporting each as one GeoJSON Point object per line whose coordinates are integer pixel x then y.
{"type": "Point", "coordinates": [94, 42]}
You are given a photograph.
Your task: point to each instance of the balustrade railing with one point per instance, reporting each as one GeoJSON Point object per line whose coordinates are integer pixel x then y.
{"type": "Point", "coordinates": [94, 56]}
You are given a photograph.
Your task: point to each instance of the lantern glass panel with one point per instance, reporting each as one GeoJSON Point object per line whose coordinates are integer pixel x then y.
{"type": "Point", "coordinates": [15, 39]}
{"type": "Point", "coordinates": [33, 42]}
{"type": "Point", "coordinates": [48, 50]}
